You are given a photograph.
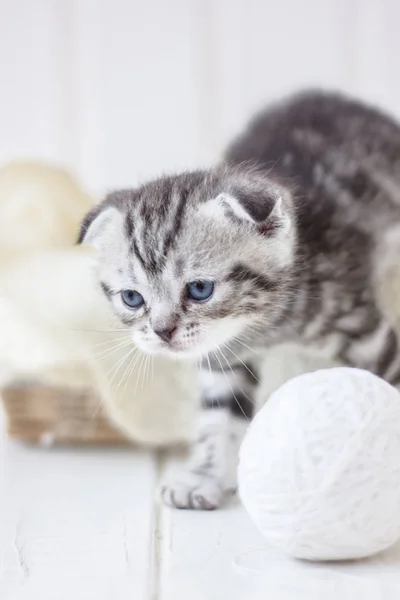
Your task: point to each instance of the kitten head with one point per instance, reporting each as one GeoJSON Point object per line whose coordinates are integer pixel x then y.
{"type": "Point", "coordinates": [192, 261]}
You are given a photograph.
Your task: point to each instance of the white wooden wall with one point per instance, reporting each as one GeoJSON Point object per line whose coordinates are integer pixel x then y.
{"type": "Point", "coordinates": [123, 89]}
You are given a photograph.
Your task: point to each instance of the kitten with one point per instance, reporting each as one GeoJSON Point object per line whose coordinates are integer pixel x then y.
{"type": "Point", "coordinates": [280, 243]}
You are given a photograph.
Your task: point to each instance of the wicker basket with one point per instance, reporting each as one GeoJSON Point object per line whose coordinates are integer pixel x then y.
{"type": "Point", "coordinates": [40, 413]}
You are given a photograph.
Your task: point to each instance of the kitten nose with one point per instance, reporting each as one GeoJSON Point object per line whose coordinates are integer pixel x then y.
{"type": "Point", "coordinates": [166, 333]}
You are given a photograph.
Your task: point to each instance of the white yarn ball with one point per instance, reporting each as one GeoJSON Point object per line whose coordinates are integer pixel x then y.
{"type": "Point", "coordinates": [319, 469]}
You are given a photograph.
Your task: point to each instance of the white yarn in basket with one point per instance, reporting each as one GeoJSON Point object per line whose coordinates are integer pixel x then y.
{"type": "Point", "coordinates": [319, 469]}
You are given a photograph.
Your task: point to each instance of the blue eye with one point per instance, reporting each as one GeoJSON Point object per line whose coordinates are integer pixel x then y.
{"type": "Point", "coordinates": [132, 299]}
{"type": "Point", "coordinates": [200, 291]}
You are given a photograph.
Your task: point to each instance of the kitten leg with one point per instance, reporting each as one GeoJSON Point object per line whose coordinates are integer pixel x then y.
{"type": "Point", "coordinates": [200, 484]}
{"type": "Point", "coordinates": [211, 470]}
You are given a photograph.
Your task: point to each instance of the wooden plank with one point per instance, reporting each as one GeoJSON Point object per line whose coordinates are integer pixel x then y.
{"type": "Point", "coordinates": [220, 555]}
{"type": "Point", "coordinates": [76, 524]}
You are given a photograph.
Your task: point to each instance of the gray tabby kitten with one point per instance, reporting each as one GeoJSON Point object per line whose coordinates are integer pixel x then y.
{"type": "Point", "coordinates": [280, 243]}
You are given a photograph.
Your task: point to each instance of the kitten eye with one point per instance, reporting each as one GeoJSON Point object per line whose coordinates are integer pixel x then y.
{"type": "Point", "coordinates": [200, 291]}
{"type": "Point", "coordinates": [132, 299]}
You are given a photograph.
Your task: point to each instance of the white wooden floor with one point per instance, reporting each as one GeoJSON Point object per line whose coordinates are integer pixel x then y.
{"type": "Point", "coordinates": [83, 525]}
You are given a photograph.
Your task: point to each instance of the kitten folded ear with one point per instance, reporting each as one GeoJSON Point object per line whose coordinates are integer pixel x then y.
{"type": "Point", "coordinates": [266, 207]}
{"type": "Point", "coordinates": [95, 223]}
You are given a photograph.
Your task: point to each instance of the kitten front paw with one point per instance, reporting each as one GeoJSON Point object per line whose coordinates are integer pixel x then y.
{"type": "Point", "coordinates": [192, 491]}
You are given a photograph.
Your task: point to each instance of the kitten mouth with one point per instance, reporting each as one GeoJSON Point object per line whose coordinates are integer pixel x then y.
{"type": "Point", "coordinates": [173, 348]}
{"type": "Point", "coordinates": [168, 348]}
{"type": "Point", "coordinates": [178, 351]}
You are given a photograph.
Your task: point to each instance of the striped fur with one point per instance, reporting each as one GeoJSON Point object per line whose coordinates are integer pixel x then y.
{"type": "Point", "coordinates": [291, 229]}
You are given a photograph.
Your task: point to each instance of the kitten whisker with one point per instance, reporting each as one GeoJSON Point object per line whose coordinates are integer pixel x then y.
{"type": "Point", "coordinates": [119, 330]}
{"type": "Point", "coordinates": [125, 373]}
{"type": "Point", "coordinates": [235, 377]}
{"type": "Point", "coordinates": [110, 351]}
{"type": "Point", "coordinates": [239, 341]}
{"type": "Point", "coordinates": [211, 375]}
{"type": "Point", "coordinates": [229, 383]}
{"type": "Point", "coordinates": [109, 342]}
{"type": "Point", "coordinates": [243, 363]}
{"type": "Point", "coordinates": [116, 368]}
